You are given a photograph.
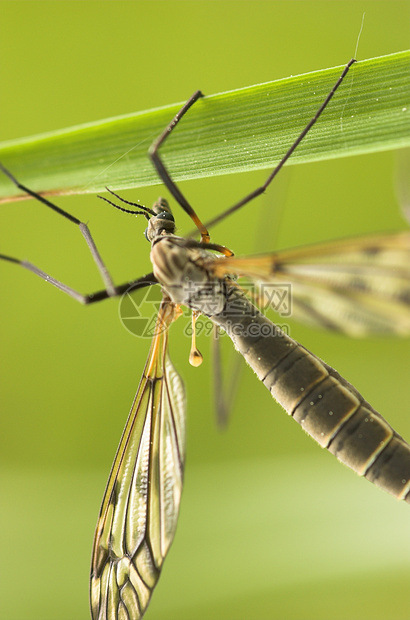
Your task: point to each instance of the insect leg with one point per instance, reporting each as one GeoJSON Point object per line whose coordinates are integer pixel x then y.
{"type": "Point", "coordinates": [259, 190]}
{"type": "Point", "coordinates": [91, 298]}
{"type": "Point", "coordinates": [108, 283]}
{"type": "Point", "coordinates": [163, 172]}
{"type": "Point", "coordinates": [223, 391]}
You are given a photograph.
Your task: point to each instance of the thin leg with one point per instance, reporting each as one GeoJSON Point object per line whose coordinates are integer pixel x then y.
{"type": "Point", "coordinates": [142, 282]}
{"type": "Point", "coordinates": [109, 285]}
{"type": "Point", "coordinates": [164, 174]}
{"type": "Point", "coordinates": [224, 394]}
{"type": "Point", "coordinates": [258, 191]}
{"type": "Point", "coordinates": [191, 243]}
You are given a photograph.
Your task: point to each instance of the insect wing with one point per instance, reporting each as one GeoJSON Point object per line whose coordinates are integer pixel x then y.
{"type": "Point", "coordinates": [358, 286]}
{"type": "Point", "coordinates": [140, 508]}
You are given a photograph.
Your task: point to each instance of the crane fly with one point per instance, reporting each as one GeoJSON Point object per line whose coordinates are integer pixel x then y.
{"type": "Point", "coordinates": [357, 286]}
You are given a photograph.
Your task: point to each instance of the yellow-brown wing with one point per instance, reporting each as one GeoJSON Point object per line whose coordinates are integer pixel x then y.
{"type": "Point", "coordinates": [140, 508]}
{"type": "Point", "coordinates": [357, 286]}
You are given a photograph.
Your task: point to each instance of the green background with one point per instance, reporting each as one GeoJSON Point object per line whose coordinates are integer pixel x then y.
{"type": "Point", "coordinates": [270, 525]}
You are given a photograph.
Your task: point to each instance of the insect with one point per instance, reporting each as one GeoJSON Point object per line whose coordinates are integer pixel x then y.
{"type": "Point", "coordinates": [355, 285]}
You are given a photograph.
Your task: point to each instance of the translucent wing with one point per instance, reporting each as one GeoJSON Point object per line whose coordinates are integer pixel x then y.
{"type": "Point", "coordinates": [140, 508]}
{"type": "Point", "coordinates": [358, 286]}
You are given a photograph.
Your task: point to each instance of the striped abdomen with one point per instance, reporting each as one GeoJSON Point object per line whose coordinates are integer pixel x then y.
{"type": "Point", "coordinates": [329, 408]}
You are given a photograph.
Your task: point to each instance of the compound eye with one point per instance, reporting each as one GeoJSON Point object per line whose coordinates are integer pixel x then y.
{"type": "Point", "coordinates": [164, 215]}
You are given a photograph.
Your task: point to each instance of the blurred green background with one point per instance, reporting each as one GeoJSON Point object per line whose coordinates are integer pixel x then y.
{"type": "Point", "coordinates": [270, 526]}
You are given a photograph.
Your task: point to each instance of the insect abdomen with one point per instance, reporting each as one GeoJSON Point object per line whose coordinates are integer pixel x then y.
{"type": "Point", "coordinates": [327, 406]}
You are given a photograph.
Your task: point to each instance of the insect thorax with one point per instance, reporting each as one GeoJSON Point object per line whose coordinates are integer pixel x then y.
{"type": "Point", "coordinates": [183, 274]}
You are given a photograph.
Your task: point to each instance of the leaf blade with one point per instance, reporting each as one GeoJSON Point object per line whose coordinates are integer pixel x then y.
{"type": "Point", "coordinates": [246, 129]}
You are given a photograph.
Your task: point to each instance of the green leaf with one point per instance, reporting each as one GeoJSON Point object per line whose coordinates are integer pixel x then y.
{"type": "Point", "coordinates": [246, 129]}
